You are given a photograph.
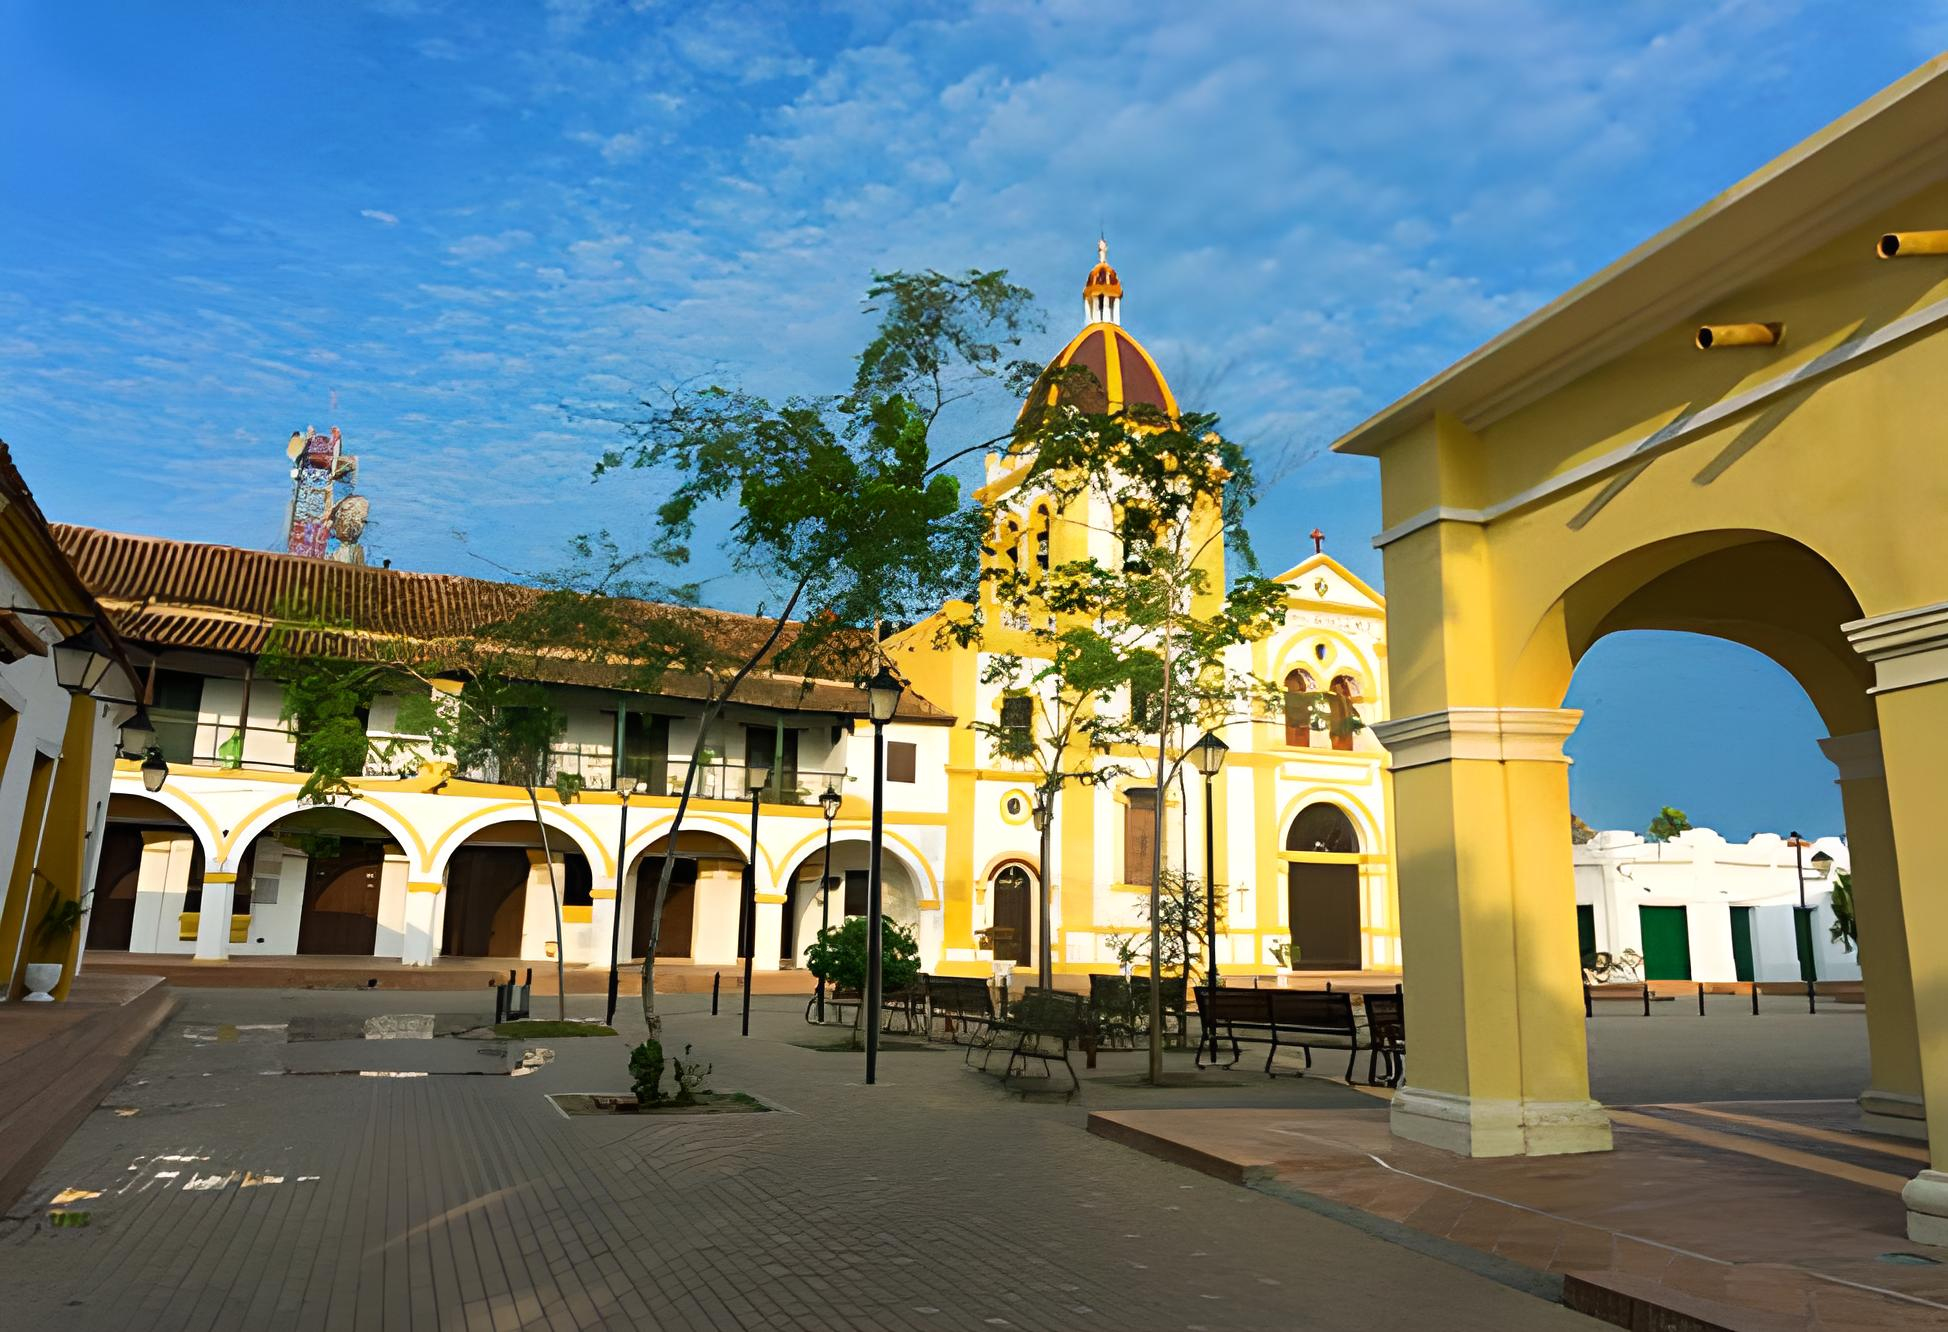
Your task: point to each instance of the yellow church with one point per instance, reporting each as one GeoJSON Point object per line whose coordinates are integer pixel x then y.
{"type": "Point", "coordinates": [1302, 857]}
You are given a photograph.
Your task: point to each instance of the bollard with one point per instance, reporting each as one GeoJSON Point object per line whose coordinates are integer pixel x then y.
{"type": "Point", "coordinates": [1755, 998]}
{"type": "Point", "coordinates": [1701, 1011]}
{"type": "Point", "coordinates": [1589, 1008]}
{"type": "Point", "coordinates": [1810, 1006]}
{"type": "Point", "coordinates": [716, 981]}
{"type": "Point", "coordinates": [1646, 998]}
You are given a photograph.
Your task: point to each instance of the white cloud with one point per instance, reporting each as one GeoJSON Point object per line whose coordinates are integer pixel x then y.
{"type": "Point", "coordinates": [377, 215]}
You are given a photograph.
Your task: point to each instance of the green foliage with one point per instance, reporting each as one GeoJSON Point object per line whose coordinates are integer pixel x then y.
{"type": "Point", "coordinates": [838, 955]}
{"type": "Point", "coordinates": [1180, 911]}
{"type": "Point", "coordinates": [690, 1074]}
{"type": "Point", "coordinates": [1668, 824]}
{"type": "Point", "coordinates": [1844, 931]}
{"type": "Point", "coordinates": [1285, 954]}
{"type": "Point", "coordinates": [1579, 831]}
{"type": "Point", "coordinates": [59, 920]}
{"type": "Point", "coordinates": [646, 1072]}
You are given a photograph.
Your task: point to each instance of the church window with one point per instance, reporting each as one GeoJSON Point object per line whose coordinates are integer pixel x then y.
{"type": "Point", "coordinates": [1140, 836]}
{"type": "Point", "coordinates": [1298, 709]}
{"type": "Point", "coordinates": [1339, 711]}
{"type": "Point", "coordinates": [1017, 724]}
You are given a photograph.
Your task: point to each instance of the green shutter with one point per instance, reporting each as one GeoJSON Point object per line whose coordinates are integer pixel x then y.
{"type": "Point", "coordinates": [1667, 943]}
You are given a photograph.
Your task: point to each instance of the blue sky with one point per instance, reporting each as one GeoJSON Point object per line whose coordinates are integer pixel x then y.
{"type": "Point", "coordinates": [487, 227]}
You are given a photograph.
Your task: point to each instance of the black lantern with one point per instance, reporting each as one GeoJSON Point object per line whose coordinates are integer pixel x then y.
{"type": "Point", "coordinates": [80, 660]}
{"type": "Point", "coordinates": [883, 696]}
{"type": "Point", "coordinates": [138, 733]}
{"type": "Point", "coordinates": [829, 802]}
{"type": "Point", "coordinates": [155, 770]}
{"type": "Point", "coordinates": [1208, 754]}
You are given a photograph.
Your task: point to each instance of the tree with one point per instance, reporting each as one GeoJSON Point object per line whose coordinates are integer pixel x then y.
{"type": "Point", "coordinates": [841, 504]}
{"type": "Point", "coordinates": [1668, 824]}
{"type": "Point", "coordinates": [1130, 654]}
{"type": "Point", "coordinates": [1845, 933]}
{"type": "Point", "coordinates": [1579, 831]}
{"type": "Point", "coordinates": [838, 957]}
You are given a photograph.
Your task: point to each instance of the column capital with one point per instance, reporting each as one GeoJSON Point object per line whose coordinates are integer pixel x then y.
{"type": "Point", "coordinates": [1496, 735]}
{"type": "Point", "coordinates": [1906, 647]}
{"type": "Point", "coordinates": [1855, 756]}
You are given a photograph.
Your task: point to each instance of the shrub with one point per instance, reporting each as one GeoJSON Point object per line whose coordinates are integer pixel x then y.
{"type": "Point", "coordinates": [838, 955]}
{"type": "Point", "coordinates": [690, 1074]}
{"type": "Point", "coordinates": [646, 1072]}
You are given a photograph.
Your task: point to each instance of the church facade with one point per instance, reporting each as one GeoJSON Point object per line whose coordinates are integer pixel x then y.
{"type": "Point", "coordinates": [224, 860]}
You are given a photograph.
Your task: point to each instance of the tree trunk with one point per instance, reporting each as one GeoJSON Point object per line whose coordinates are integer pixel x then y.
{"type": "Point", "coordinates": [554, 893]}
{"type": "Point", "coordinates": [1156, 874]}
{"type": "Point", "coordinates": [713, 707]}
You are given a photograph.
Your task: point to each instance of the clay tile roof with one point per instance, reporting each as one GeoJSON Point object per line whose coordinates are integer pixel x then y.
{"type": "Point", "coordinates": [205, 597]}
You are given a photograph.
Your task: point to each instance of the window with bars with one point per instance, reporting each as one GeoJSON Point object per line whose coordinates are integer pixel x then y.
{"type": "Point", "coordinates": [1140, 836]}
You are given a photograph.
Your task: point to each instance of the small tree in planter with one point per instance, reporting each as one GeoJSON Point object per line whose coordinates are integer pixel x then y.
{"type": "Point", "coordinates": [838, 958]}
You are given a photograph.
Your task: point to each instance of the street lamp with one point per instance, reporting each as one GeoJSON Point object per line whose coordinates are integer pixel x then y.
{"type": "Point", "coordinates": [829, 803]}
{"type": "Point", "coordinates": [80, 660]}
{"type": "Point", "coordinates": [882, 700]}
{"type": "Point", "coordinates": [1208, 754]}
{"type": "Point", "coordinates": [138, 733]}
{"type": "Point", "coordinates": [155, 770]}
{"type": "Point", "coordinates": [755, 776]}
{"type": "Point", "coordinates": [625, 786]}
{"type": "Point", "coordinates": [1043, 815]}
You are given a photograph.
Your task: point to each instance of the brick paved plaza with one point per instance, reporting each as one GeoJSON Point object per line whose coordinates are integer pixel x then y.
{"type": "Point", "coordinates": [251, 1189]}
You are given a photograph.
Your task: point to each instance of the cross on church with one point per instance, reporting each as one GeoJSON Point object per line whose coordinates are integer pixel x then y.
{"type": "Point", "coordinates": [1318, 541]}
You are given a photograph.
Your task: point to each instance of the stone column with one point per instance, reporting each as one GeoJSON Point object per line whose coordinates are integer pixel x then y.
{"type": "Point", "coordinates": [213, 919]}
{"type": "Point", "coordinates": [422, 922]}
{"type": "Point", "coordinates": [1891, 1102]}
{"type": "Point", "coordinates": [1488, 934]}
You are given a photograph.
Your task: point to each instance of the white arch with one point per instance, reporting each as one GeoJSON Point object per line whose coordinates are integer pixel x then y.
{"type": "Point", "coordinates": [400, 830]}
{"type": "Point", "coordinates": [1365, 827]}
{"type": "Point", "coordinates": [456, 837]}
{"type": "Point", "coordinates": [194, 818]}
{"type": "Point", "coordinates": [737, 833]}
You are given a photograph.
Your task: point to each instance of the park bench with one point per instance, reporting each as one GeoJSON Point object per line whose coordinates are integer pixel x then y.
{"type": "Point", "coordinates": [1174, 996]}
{"type": "Point", "coordinates": [1300, 1019]}
{"type": "Point", "coordinates": [1386, 1034]}
{"type": "Point", "coordinates": [1112, 1007]}
{"type": "Point", "coordinates": [1042, 1024]}
{"type": "Point", "coordinates": [962, 1004]}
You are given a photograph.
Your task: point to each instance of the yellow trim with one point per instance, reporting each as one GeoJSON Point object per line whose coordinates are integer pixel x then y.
{"type": "Point", "coordinates": [133, 769]}
{"type": "Point", "coordinates": [473, 823]}
{"type": "Point", "coordinates": [578, 915]}
{"type": "Point", "coordinates": [188, 922]}
{"type": "Point", "coordinates": [1368, 827]}
{"type": "Point", "coordinates": [1321, 559]}
{"type": "Point", "coordinates": [229, 844]}
{"type": "Point", "coordinates": [769, 899]}
{"type": "Point", "coordinates": [219, 876]}
{"type": "Point", "coordinates": [929, 904]}
{"type": "Point", "coordinates": [602, 894]}
{"type": "Point", "coordinates": [425, 886]}
{"type": "Point", "coordinates": [1027, 807]}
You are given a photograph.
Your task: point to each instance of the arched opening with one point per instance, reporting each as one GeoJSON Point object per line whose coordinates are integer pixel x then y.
{"type": "Point", "coordinates": [316, 881]}
{"type": "Point", "coordinates": [497, 901]}
{"type": "Point", "coordinates": [1339, 711]}
{"type": "Point", "coordinates": [1323, 891]}
{"type": "Point", "coordinates": [807, 909]}
{"type": "Point", "coordinates": [149, 874]}
{"type": "Point", "coordinates": [1012, 893]}
{"type": "Point", "coordinates": [1298, 708]}
{"type": "Point", "coordinates": [700, 912]}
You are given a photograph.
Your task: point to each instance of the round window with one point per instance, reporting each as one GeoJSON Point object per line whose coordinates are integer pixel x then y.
{"type": "Point", "coordinates": [1014, 806]}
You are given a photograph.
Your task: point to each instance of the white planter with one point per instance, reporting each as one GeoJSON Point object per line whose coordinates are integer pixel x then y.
{"type": "Point", "coordinates": [41, 977]}
{"type": "Point", "coordinates": [1285, 975]}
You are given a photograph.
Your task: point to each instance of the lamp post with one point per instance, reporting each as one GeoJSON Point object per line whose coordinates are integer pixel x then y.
{"type": "Point", "coordinates": [1044, 812]}
{"type": "Point", "coordinates": [882, 699]}
{"type": "Point", "coordinates": [1799, 865]}
{"type": "Point", "coordinates": [828, 801]}
{"type": "Point", "coordinates": [1208, 753]}
{"type": "Point", "coordinates": [755, 776]}
{"type": "Point", "coordinates": [155, 769]}
{"type": "Point", "coordinates": [624, 787]}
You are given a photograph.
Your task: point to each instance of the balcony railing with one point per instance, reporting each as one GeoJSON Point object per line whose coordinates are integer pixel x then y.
{"type": "Point", "coordinates": [718, 779]}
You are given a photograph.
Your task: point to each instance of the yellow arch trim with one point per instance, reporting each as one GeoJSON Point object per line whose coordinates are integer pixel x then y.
{"type": "Point", "coordinates": [215, 838]}
{"type": "Point", "coordinates": [230, 843]}
{"type": "Point", "coordinates": [1363, 671]}
{"type": "Point", "coordinates": [1368, 827]}
{"type": "Point", "coordinates": [926, 868]}
{"type": "Point", "coordinates": [690, 821]}
{"type": "Point", "coordinates": [1026, 859]}
{"type": "Point", "coordinates": [608, 859]}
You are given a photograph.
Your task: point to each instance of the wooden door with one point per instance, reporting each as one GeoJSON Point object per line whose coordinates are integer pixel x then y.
{"type": "Point", "coordinates": [486, 901]}
{"type": "Point", "coordinates": [1010, 933]}
{"type": "Point", "coordinates": [341, 901]}
{"type": "Point", "coordinates": [112, 916]}
{"type": "Point", "coordinates": [679, 908]}
{"type": "Point", "coordinates": [1324, 905]}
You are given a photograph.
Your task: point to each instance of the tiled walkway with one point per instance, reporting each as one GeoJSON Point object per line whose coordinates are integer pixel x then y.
{"type": "Point", "coordinates": [1774, 1215]}
{"type": "Point", "coordinates": [242, 1194]}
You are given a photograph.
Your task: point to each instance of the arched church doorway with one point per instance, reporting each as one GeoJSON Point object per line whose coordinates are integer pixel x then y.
{"type": "Point", "coordinates": [1323, 895]}
{"type": "Point", "coordinates": [1012, 934]}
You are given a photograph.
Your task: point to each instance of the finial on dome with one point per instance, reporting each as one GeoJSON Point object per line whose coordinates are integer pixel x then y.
{"type": "Point", "coordinates": [1102, 294]}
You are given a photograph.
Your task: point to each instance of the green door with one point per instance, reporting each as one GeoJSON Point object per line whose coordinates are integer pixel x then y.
{"type": "Point", "coordinates": [1742, 942]}
{"type": "Point", "coordinates": [1585, 932]}
{"type": "Point", "coordinates": [1667, 943]}
{"type": "Point", "coordinates": [1802, 928]}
